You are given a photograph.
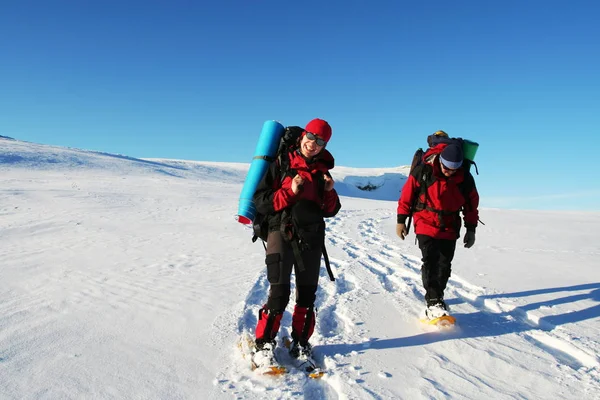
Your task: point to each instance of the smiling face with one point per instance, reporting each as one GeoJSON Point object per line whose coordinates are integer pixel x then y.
{"type": "Point", "coordinates": [309, 148]}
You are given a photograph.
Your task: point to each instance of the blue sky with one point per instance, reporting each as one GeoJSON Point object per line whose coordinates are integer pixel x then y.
{"type": "Point", "coordinates": [196, 80]}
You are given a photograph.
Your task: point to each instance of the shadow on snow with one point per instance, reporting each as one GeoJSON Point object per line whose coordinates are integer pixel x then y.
{"type": "Point", "coordinates": [488, 324]}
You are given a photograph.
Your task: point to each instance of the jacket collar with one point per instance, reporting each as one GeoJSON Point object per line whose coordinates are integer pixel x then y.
{"type": "Point", "coordinates": [323, 162]}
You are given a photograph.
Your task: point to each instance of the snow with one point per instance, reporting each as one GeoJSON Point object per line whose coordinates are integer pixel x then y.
{"type": "Point", "coordinates": [129, 278]}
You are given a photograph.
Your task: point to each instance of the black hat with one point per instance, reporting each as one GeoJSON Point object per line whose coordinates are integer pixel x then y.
{"type": "Point", "coordinates": [452, 156]}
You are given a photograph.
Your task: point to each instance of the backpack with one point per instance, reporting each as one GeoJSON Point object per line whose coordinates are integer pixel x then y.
{"type": "Point", "coordinates": [469, 147]}
{"type": "Point", "coordinates": [423, 173]}
{"type": "Point", "coordinates": [288, 141]}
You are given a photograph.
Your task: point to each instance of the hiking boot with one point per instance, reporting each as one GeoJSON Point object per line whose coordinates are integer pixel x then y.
{"type": "Point", "coordinates": [436, 308]}
{"type": "Point", "coordinates": [263, 355]}
{"type": "Point", "coordinates": [302, 355]}
{"type": "Point", "coordinates": [300, 350]}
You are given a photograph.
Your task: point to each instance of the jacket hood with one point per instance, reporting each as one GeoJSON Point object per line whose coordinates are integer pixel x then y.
{"type": "Point", "coordinates": [326, 158]}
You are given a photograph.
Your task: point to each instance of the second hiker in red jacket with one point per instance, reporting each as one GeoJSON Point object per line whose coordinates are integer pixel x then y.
{"type": "Point", "coordinates": [436, 193]}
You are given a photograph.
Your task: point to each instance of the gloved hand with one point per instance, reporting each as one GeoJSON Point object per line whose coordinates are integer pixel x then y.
{"type": "Point", "coordinates": [401, 231]}
{"type": "Point", "coordinates": [297, 184]}
{"type": "Point", "coordinates": [469, 239]}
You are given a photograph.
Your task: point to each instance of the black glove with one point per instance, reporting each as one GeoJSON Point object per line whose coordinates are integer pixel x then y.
{"type": "Point", "coordinates": [469, 239]}
{"type": "Point", "coordinates": [401, 231]}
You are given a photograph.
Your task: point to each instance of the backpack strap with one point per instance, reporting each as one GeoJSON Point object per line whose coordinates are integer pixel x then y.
{"type": "Point", "coordinates": [326, 258]}
{"type": "Point", "coordinates": [283, 161]}
{"type": "Point", "coordinates": [321, 192]}
{"type": "Point", "coordinates": [266, 158]}
{"type": "Point", "coordinates": [423, 173]}
{"type": "Point", "coordinates": [295, 242]}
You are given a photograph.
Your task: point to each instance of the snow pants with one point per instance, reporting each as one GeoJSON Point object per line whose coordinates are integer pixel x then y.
{"type": "Point", "coordinates": [437, 262]}
{"type": "Point", "coordinates": [280, 262]}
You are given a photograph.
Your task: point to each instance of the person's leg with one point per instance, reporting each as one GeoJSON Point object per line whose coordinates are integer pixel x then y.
{"type": "Point", "coordinates": [447, 248]}
{"type": "Point", "coordinates": [303, 318]}
{"type": "Point", "coordinates": [279, 261]}
{"type": "Point", "coordinates": [430, 269]}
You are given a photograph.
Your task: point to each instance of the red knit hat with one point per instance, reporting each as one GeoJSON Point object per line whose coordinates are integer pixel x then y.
{"type": "Point", "coordinates": [320, 128]}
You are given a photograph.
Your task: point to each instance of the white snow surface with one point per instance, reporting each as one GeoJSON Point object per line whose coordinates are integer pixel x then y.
{"type": "Point", "coordinates": [123, 278]}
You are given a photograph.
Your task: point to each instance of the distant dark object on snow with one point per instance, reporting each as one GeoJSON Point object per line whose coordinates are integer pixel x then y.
{"type": "Point", "coordinates": [6, 137]}
{"type": "Point", "coordinates": [368, 187]}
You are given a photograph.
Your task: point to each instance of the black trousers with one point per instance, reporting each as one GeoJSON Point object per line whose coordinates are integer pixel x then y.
{"type": "Point", "coordinates": [280, 261]}
{"type": "Point", "coordinates": [437, 263]}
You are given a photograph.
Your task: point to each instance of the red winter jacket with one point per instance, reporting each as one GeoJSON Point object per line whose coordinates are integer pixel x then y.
{"type": "Point", "coordinates": [439, 218]}
{"type": "Point", "coordinates": [273, 194]}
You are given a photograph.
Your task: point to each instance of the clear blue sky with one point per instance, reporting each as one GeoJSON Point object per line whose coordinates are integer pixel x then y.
{"type": "Point", "coordinates": [196, 80]}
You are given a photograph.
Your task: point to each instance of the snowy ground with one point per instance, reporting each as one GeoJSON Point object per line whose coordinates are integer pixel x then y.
{"type": "Point", "coordinates": [127, 278]}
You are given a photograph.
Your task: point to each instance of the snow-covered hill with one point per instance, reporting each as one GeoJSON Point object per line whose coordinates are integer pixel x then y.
{"type": "Point", "coordinates": [374, 183]}
{"type": "Point", "coordinates": [129, 278]}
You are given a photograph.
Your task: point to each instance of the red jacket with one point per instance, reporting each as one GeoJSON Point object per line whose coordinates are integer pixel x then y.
{"type": "Point", "coordinates": [284, 197]}
{"type": "Point", "coordinates": [439, 217]}
{"type": "Point", "coordinates": [273, 194]}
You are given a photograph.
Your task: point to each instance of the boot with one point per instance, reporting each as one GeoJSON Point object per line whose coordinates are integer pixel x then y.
{"type": "Point", "coordinates": [263, 355]}
{"type": "Point", "coordinates": [436, 308]}
{"type": "Point", "coordinates": [302, 354]}
{"type": "Point", "coordinates": [303, 326]}
{"type": "Point", "coordinates": [298, 350]}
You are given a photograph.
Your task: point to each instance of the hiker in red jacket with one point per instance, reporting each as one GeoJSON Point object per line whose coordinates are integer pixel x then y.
{"type": "Point", "coordinates": [435, 193]}
{"type": "Point", "coordinates": [295, 199]}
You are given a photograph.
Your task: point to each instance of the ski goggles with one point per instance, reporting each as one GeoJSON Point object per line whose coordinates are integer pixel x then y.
{"type": "Point", "coordinates": [312, 136]}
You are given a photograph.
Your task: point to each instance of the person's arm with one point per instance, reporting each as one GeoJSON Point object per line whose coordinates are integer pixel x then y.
{"type": "Point", "coordinates": [471, 208]}
{"type": "Point", "coordinates": [272, 195]}
{"type": "Point", "coordinates": [406, 200]}
{"type": "Point", "coordinates": [471, 212]}
{"type": "Point", "coordinates": [331, 203]}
